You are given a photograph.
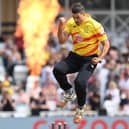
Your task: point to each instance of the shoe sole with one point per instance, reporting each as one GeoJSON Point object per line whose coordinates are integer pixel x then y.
{"type": "Point", "coordinates": [77, 120]}
{"type": "Point", "coordinates": [61, 104]}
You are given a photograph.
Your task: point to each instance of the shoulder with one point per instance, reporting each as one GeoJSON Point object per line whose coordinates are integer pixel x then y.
{"type": "Point", "coordinates": [70, 21]}
{"type": "Point", "coordinates": [94, 23]}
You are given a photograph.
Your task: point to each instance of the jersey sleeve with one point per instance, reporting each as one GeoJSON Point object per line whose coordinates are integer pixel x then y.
{"type": "Point", "coordinates": [99, 32]}
{"type": "Point", "coordinates": [68, 27]}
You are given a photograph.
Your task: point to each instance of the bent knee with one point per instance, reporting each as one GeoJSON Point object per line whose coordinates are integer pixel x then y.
{"type": "Point", "coordinates": [57, 70]}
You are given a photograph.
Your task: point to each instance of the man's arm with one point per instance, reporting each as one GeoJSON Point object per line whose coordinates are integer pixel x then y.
{"type": "Point", "coordinates": [62, 35]}
{"type": "Point", "coordinates": [106, 46]}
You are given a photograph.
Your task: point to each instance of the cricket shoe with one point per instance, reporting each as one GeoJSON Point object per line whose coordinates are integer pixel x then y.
{"type": "Point", "coordinates": [66, 98]}
{"type": "Point", "coordinates": [79, 115]}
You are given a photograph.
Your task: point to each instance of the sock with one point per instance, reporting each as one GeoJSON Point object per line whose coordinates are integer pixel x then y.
{"type": "Point", "coordinates": [81, 107]}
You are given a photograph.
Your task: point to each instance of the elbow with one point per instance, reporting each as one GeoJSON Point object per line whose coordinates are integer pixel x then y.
{"type": "Point", "coordinates": [62, 41]}
{"type": "Point", "coordinates": [107, 44]}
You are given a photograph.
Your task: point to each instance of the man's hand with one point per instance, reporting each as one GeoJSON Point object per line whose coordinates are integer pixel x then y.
{"type": "Point", "coordinates": [62, 22]}
{"type": "Point", "coordinates": [62, 35]}
{"type": "Point", "coordinates": [96, 60]}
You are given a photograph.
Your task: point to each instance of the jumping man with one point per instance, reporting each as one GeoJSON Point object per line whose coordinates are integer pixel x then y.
{"type": "Point", "coordinates": [87, 34]}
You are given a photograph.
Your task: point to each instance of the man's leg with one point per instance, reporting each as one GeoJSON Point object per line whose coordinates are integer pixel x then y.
{"type": "Point", "coordinates": [80, 88]}
{"type": "Point", "coordinates": [60, 70]}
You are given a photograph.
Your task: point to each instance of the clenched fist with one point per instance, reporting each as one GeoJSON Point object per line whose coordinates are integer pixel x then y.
{"type": "Point", "coordinates": [62, 21]}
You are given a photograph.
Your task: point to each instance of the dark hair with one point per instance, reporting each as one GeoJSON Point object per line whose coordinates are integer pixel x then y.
{"type": "Point", "coordinates": [77, 8]}
{"type": "Point", "coordinates": [40, 94]}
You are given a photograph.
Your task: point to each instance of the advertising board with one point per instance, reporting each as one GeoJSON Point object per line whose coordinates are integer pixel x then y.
{"type": "Point", "coordinates": [45, 123]}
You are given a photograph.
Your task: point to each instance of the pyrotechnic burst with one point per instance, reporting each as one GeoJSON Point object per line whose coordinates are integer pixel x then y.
{"type": "Point", "coordinates": [36, 18]}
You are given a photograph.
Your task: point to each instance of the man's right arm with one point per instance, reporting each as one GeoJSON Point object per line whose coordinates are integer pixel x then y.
{"type": "Point", "coordinates": [62, 34]}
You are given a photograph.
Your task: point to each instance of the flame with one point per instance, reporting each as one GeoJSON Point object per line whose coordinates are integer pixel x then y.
{"type": "Point", "coordinates": [36, 18]}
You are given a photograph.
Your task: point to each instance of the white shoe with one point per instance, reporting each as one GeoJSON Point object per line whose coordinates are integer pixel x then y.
{"type": "Point", "coordinates": [66, 98]}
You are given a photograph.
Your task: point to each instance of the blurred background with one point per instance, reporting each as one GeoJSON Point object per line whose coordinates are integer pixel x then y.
{"type": "Point", "coordinates": [29, 49]}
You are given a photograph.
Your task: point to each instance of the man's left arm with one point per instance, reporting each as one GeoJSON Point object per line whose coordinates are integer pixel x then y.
{"type": "Point", "coordinates": [106, 46]}
{"type": "Point", "coordinates": [102, 37]}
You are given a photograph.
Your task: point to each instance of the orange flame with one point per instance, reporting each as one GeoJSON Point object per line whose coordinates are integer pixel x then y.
{"type": "Point", "coordinates": [36, 18]}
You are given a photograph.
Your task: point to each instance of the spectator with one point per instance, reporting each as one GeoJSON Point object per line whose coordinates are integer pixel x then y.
{"type": "Point", "coordinates": [110, 106]}
{"type": "Point", "coordinates": [38, 104]}
{"type": "Point", "coordinates": [124, 105]}
{"type": "Point", "coordinates": [94, 101]}
{"type": "Point", "coordinates": [124, 81]}
{"type": "Point", "coordinates": [35, 89]}
{"type": "Point", "coordinates": [7, 103]}
{"type": "Point", "coordinates": [113, 91]}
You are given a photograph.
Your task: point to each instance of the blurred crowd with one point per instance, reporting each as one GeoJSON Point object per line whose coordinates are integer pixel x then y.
{"type": "Point", "coordinates": [107, 92]}
{"type": "Point", "coordinates": [99, 4]}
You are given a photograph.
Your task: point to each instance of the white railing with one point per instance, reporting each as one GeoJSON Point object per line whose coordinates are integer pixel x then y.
{"type": "Point", "coordinates": [66, 113]}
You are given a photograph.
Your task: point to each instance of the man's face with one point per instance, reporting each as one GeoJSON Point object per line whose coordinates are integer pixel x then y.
{"type": "Point", "coordinates": [78, 18]}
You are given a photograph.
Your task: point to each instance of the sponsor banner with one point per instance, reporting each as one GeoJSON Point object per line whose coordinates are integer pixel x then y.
{"type": "Point", "coordinates": [45, 123]}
